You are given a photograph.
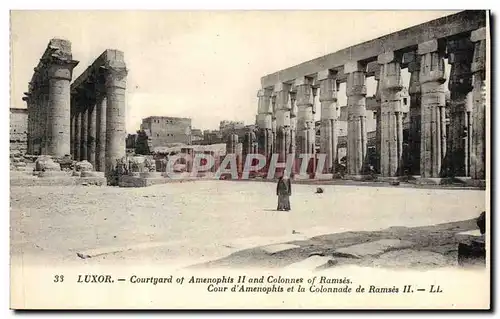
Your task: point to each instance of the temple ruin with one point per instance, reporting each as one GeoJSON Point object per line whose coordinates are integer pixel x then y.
{"type": "Point", "coordinates": [286, 102]}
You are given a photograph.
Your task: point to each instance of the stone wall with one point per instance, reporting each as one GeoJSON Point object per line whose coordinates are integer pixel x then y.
{"type": "Point", "coordinates": [18, 130]}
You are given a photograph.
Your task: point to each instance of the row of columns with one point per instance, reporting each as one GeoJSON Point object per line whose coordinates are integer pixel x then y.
{"type": "Point", "coordinates": [98, 120]}
{"type": "Point", "coordinates": [48, 101]}
{"type": "Point", "coordinates": [433, 154]}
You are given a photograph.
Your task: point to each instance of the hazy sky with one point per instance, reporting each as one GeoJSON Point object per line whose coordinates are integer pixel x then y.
{"type": "Point", "coordinates": [203, 65]}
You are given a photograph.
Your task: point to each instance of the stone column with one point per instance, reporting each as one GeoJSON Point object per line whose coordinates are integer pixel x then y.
{"type": "Point", "coordinates": [478, 141]}
{"type": "Point", "coordinates": [328, 128]}
{"type": "Point", "coordinates": [92, 133]}
{"type": "Point", "coordinates": [432, 78]}
{"type": "Point", "coordinates": [58, 108]}
{"type": "Point", "coordinates": [306, 133]}
{"type": "Point", "coordinates": [84, 131]}
{"type": "Point", "coordinates": [101, 133]}
{"type": "Point", "coordinates": [378, 121]}
{"type": "Point", "coordinates": [72, 126]}
{"type": "Point", "coordinates": [77, 140]}
{"type": "Point", "coordinates": [391, 84]}
{"type": "Point", "coordinates": [273, 121]}
{"type": "Point", "coordinates": [415, 115]}
{"type": "Point", "coordinates": [44, 101]}
{"type": "Point", "coordinates": [356, 117]}
{"type": "Point", "coordinates": [37, 121]}
{"type": "Point", "coordinates": [293, 123]}
{"type": "Point", "coordinates": [460, 53]}
{"type": "Point", "coordinates": [264, 122]}
{"type": "Point", "coordinates": [283, 124]}
{"type": "Point", "coordinates": [29, 103]}
{"type": "Point", "coordinates": [115, 115]}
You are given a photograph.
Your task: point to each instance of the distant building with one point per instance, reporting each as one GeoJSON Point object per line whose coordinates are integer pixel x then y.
{"type": "Point", "coordinates": [164, 130]}
{"type": "Point", "coordinates": [196, 135]}
{"type": "Point", "coordinates": [19, 130]}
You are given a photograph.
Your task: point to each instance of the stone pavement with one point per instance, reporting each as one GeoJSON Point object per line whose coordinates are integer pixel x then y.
{"type": "Point", "coordinates": [189, 223]}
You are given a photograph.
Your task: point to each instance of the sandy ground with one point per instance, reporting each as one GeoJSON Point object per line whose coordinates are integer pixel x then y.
{"type": "Point", "coordinates": [206, 220]}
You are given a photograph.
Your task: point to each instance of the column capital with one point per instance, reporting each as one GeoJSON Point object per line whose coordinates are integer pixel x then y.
{"type": "Point", "coordinates": [116, 76]}
{"type": "Point", "coordinates": [279, 87]}
{"type": "Point", "coordinates": [326, 75]}
{"type": "Point", "coordinates": [389, 57]}
{"type": "Point", "coordinates": [428, 47]}
{"type": "Point", "coordinates": [61, 69]}
{"type": "Point", "coordinates": [354, 66]}
{"type": "Point", "coordinates": [264, 93]}
{"type": "Point", "coordinates": [478, 35]}
{"type": "Point", "coordinates": [303, 81]}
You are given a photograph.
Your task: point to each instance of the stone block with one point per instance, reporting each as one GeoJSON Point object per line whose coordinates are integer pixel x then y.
{"type": "Point", "coordinates": [428, 47]}
{"type": "Point", "coordinates": [325, 74]}
{"type": "Point", "coordinates": [54, 174]}
{"type": "Point", "coordinates": [386, 57]}
{"type": "Point", "coordinates": [45, 163]}
{"type": "Point", "coordinates": [478, 35]}
{"type": "Point", "coordinates": [273, 249]}
{"type": "Point", "coordinates": [374, 248]}
{"type": "Point", "coordinates": [354, 66]}
{"type": "Point", "coordinates": [84, 166]}
{"type": "Point", "coordinates": [468, 236]}
{"type": "Point", "coordinates": [312, 263]}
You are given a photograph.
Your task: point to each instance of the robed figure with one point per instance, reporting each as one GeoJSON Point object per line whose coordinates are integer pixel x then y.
{"type": "Point", "coordinates": [284, 190]}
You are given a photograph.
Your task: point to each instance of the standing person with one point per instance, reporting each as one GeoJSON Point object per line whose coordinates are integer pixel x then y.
{"type": "Point", "coordinates": [283, 191]}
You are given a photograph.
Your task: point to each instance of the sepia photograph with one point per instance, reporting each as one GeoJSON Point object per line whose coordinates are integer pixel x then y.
{"type": "Point", "coordinates": [250, 159]}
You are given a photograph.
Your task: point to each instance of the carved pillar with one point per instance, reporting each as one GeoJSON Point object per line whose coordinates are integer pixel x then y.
{"type": "Point", "coordinates": [460, 53]}
{"type": "Point", "coordinates": [293, 123]}
{"type": "Point", "coordinates": [306, 133]}
{"type": "Point", "coordinates": [84, 130]}
{"type": "Point", "coordinates": [44, 102]}
{"type": "Point", "coordinates": [37, 147]}
{"type": "Point", "coordinates": [72, 126]}
{"type": "Point", "coordinates": [378, 129]}
{"type": "Point", "coordinates": [478, 140]}
{"type": "Point", "coordinates": [273, 121]}
{"type": "Point", "coordinates": [116, 83]}
{"type": "Point", "coordinates": [415, 115]}
{"type": "Point", "coordinates": [264, 122]}
{"type": "Point", "coordinates": [29, 103]}
{"type": "Point", "coordinates": [58, 109]}
{"type": "Point", "coordinates": [328, 128]}
{"type": "Point", "coordinates": [92, 132]}
{"type": "Point", "coordinates": [77, 140]}
{"type": "Point", "coordinates": [391, 84]}
{"type": "Point", "coordinates": [282, 113]}
{"type": "Point", "coordinates": [101, 133]}
{"type": "Point", "coordinates": [432, 78]}
{"type": "Point", "coordinates": [356, 117]}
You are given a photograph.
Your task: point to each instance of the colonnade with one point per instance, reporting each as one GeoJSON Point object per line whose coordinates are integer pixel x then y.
{"type": "Point", "coordinates": [435, 152]}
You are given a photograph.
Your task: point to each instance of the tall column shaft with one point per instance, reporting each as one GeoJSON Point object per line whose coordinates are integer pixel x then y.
{"type": "Point", "coordinates": [85, 132]}
{"type": "Point", "coordinates": [293, 123]}
{"type": "Point", "coordinates": [305, 118]}
{"type": "Point", "coordinates": [432, 78]}
{"type": "Point", "coordinates": [378, 121]}
{"type": "Point", "coordinates": [115, 116]}
{"type": "Point", "coordinates": [78, 131]}
{"type": "Point", "coordinates": [391, 84]}
{"type": "Point", "coordinates": [460, 84]}
{"type": "Point", "coordinates": [92, 132]}
{"type": "Point", "coordinates": [58, 108]}
{"type": "Point", "coordinates": [72, 128]}
{"type": "Point", "coordinates": [478, 141]}
{"type": "Point", "coordinates": [415, 117]}
{"type": "Point", "coordinates": [356, 118]}
{"type": "Point", "coordinates": [101, 133]}
{"type": "Point", "coordinates": [282, 92]}
{"type": "Point", "coordinates": [264, 122]}
{"type": "Point", "coordinates": [273, 122]}
{"type": "Point", "coordinates": [43, 119]}
{"type": "Point", "coordinates": [328, 128]}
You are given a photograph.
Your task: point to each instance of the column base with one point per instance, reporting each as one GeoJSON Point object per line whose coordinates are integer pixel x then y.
{"type": "Point", "coordinates": [392, 179]}
{"type": "Point", "coordinates": [359, 177]}
{"type": "Point", "coordinates": [302, 177]}
{"type": "Point", "coordinates": [419, 180]}
{"type": "Point", "coordinates": [324, 177]}
{"type": "Point", "coordinates": [468, 181]}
